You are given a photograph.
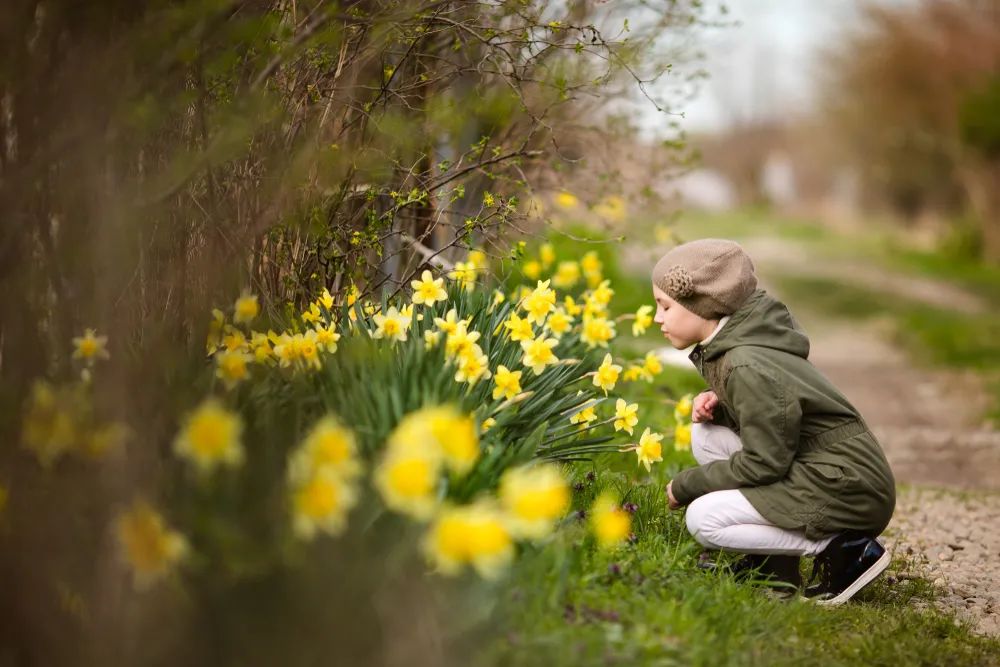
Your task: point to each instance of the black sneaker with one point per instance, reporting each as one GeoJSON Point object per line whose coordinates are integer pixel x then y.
{"type": "Point", "coordinates": [773, 569]}
{"type": "Point", "coordinates": [849, 563]}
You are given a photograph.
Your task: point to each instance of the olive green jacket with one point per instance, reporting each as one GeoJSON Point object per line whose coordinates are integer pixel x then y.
{"type": "Point", "coordinates": [808, 462]}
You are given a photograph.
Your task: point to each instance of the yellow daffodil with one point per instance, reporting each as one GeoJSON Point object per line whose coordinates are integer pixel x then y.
{"type": "Point", "coordinates": [533, 499]}
{"type": "Point", "coordinates": [611, 208]}
{"type": "Point", "coordinates": [682, 437]}
{"type": "Point", "coordinates": [312, 315]}
{"type": "Point", "coordinates": [643, 319]}
{"type": "Point", "coordinates": [473, 365]}
{"type": "Point", "coordinates": [584, 417]}
{"type": "Point", "coordinates": [233, 339]}
{"type": "Point", "coordinates": [471, 535]}
{"type": "Point", "coordinates": [392, 325]}
{"type": "Point", "coordinates": [488, 423]}
{"type": "Point", "coordinates": [286, 349]}
{"type": "Point", "coordinates": [626, 416]}
{"type": "Point", "coordinates": [567, 200]}
{"type": "Point", "coordinates": [591, 262]}
{"type": "Point", "coordinates": [428, 291]}
{"type": "Point", "coordinates": [567, 274]}
{"type": "Point", "coordinates": [464, 273]}
{"type": "Point", "coordinates": [246, 308]}
{"type": "Point", "coordinates": [210, 437]}
{"type": "Point", "coordinates": [321, 502]}
{"type": "Point", "coordinates": [325, 299]}
{"type": "Point", "coordinates": [572, 308]}
{"type": "Point", "coordinates": [431, 339]}
{"type": "Point", "coordinates": [538, 353]}
{"type": "Point", "coordinates": [309, 349]}
{"type": "Point", "coordinates": [649, 450]}
{"type": "Point", "coordinates": [260, 345]}
{"type": "Point", "coordinates": [531, 269]}
{"type": "Point", "coordinates": [606, 375]}
{"type": "Point", "coordinates": [353, 294]}
{"type": "Point", "coordinates": [608, 521]}
{"type": "Point", "coordinates": [214, 339]}
{"type": "Point", "coordinates": [450, 322]}
{"type": "Point", "coordinates": [518, 329]}
{"type": "Point", "coordinates": [498, 298]}
{"type": "Point", "coordinates": [50, 427]}
{"type": "Point", "coordinates": [602, 293]}
{"type": "Point", "coordinates": [90, 347]}
{"type": "Point", "coordinates": [539, 303]}
{"type": "Point", "coordinates": [327, 445]}
{"type": "Point", "coordinates": [634, 373]}
{"type": "Point", "coordinates": [682, 410]}
{"type": "Point", "coordinates": [478, 259]}
{"type": "Point", "coordinates": [460, 340]}
{"type": "Point", "coordinates": [150, 548]}
{"type": "Point", "coordinates": [506, 383]}
{"type": "Point", "coordinates": [231, 367]}
{"type": "Point", "coordinates": [102, 440]}
{"type": "Point", "coordinates": [547, 254]}
{"type": "Point", "coordinates": [559, 322]}
{"type": "Point", "coordinates": [407, 481]}
{"type": "Point", "coordinates": [652, 364]}
{"type": "Point", "coordinates": [327, 338]}
{"type": "Point", "coordinates": [597, 331]}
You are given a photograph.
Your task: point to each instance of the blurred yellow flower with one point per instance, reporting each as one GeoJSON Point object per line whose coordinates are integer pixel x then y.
{"type": "Point", "coordinates": [539, 303]}
{"type": "Point", "coordinates": [652, 364]}
{"type": "Point", "coordinates": [597, 331]}
{"type": "Point", "coordinates": [210, 437]}
{"type": "Point", "coordinates": [260, 344]}
{"type": "Point", "coordinates": [449, 322]}
{"type": "Point", "coordinates": [602, 293]}
{"type": "Point", "coordinates": [606, 375]}
{"type": "Point", "coordinates": [327, 338]}
{"type": "Point", "coordinates": [464, 273]}
{"type": "Point", "coordinates": [233, 339]}
{"type": "Point", "coordinates": [309, 349]}
{"type": "Point", "coordinates": [559, 322]}
{"type": "Point", "coordinates": [473, 365]}
{"type": "Point", "coordinates": [327, 445]}
{"type": "Point", "coordinates": [488, 423]}
{"type": "Point", "coordinates": [431, 339]}
{"type": "Point", "coordinates": [428, 291]}
{"type": "Point", "coordinates": [90, 347]}
{"type": "Point", "coordinates": [591, 262]}
{"type": "Point", "coordinates": [682, 410]}
{"type": "Point", "coordinates": [612, 208]}
{"type": "Point", "coordinates": [538, 353]}
{"type": "Point", "coordinates": [572, 308]}
{"type": "Point", "coordinates": [475, 535]}
{"type": "Point", "coordinates": [547, 255]}
{"type": "Point", "coordinates": [498, 297]}
{"type": "Point", "coordinates": [506, 383]}
{"type": "Point", "coordinates": [478, 259]}
{"type": "Point", "coordinates": [214, 339]}
{"type": "Point", "coordinates": [533, 499]}
{"type": "Point", "coordinates": [567, 200]}
{"type": "Point", "coordinates": [49, 429]}
{"type": "Point", "coordinates": [682, 437]}
{"type": "Point", "coordinates": [321, 503]}
{"type": "Point", "coordinates": [231, 367]}
{"type": "Point", "coordinates": [626, 416]}
{"type": "Point", "coordinates": [408, 482]}
{"type": "Point", "coordinates": [392, 325]}
{"type": "Point", "coordinates": [489, 199]}
{"type": "Point", "coordinates": [518, 329]}
{"type": "Point", "coordinates": [286, 348]}
{"type": "Point", "coordinates": [438, 431]}
{"type": "Point", "coordinates": [150, 548]}
{"type": "Point", "coordinates": [532, 269]}
{"type": "Point", "coordinates": [567, 274]}
{"type": "Point", "coordinates": [353, 294]}
{"type": "Point", "coordinates": [649, 450]}
{"type": "Point", "coordinates": [246, 308]}
{"type": "Point", "coordinates": [633, 373]}
{"type": "Point", "coordinates": [643, 319]}
{"type": "Point", "coordinates": [608, 521]}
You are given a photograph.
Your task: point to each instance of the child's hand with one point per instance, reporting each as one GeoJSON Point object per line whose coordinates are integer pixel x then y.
{"type": "Point", "coordinates": [671, 501]}
{"type": "Point", "coordinates": [703, 406]}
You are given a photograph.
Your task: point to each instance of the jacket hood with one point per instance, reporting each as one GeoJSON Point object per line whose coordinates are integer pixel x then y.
{"type": "Point", "coordinates": [762, 321]}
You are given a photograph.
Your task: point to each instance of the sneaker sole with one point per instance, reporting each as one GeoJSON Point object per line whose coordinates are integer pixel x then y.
{"type": "Point", "coordinates": [866, 578]}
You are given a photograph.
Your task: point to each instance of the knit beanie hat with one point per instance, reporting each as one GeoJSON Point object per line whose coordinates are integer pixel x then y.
{"type": "Point", "coordinates": [710, 277]}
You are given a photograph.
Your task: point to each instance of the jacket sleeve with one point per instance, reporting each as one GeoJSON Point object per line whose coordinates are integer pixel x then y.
{"type": "Point", "coordinates": [769, 431]}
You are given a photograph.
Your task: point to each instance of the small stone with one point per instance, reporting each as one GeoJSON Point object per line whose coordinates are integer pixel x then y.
{"type": "Point", "coordinates": [946, 555]}
{"type": "Point", "coordinates": [939, 581]}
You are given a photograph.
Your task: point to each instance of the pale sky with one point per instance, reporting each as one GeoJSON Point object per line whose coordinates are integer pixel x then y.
{"type": "Point", "coordinates": [763, 66]}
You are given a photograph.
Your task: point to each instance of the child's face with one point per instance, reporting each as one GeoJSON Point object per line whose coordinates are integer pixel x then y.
{"type": "Point", "coordinates": [679, 325]}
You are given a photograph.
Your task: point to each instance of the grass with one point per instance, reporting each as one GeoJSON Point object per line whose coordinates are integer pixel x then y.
{"type": "Point", "coordinates": [646, 604]}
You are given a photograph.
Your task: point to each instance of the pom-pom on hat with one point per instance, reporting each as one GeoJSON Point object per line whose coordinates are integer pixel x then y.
{"type": "Point", "coordinates": [710, 277]}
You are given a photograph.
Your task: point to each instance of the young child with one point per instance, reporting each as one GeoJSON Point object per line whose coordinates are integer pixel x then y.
{"type": "Point", "coordinates": [788, 468]}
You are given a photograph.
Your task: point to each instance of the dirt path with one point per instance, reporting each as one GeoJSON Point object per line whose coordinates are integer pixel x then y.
{"type": "Point", "coordinates": [928, 421]}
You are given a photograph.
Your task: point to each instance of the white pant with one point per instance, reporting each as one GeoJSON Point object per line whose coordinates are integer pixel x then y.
{"type": "Point", "coordinates": [726, 519]}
